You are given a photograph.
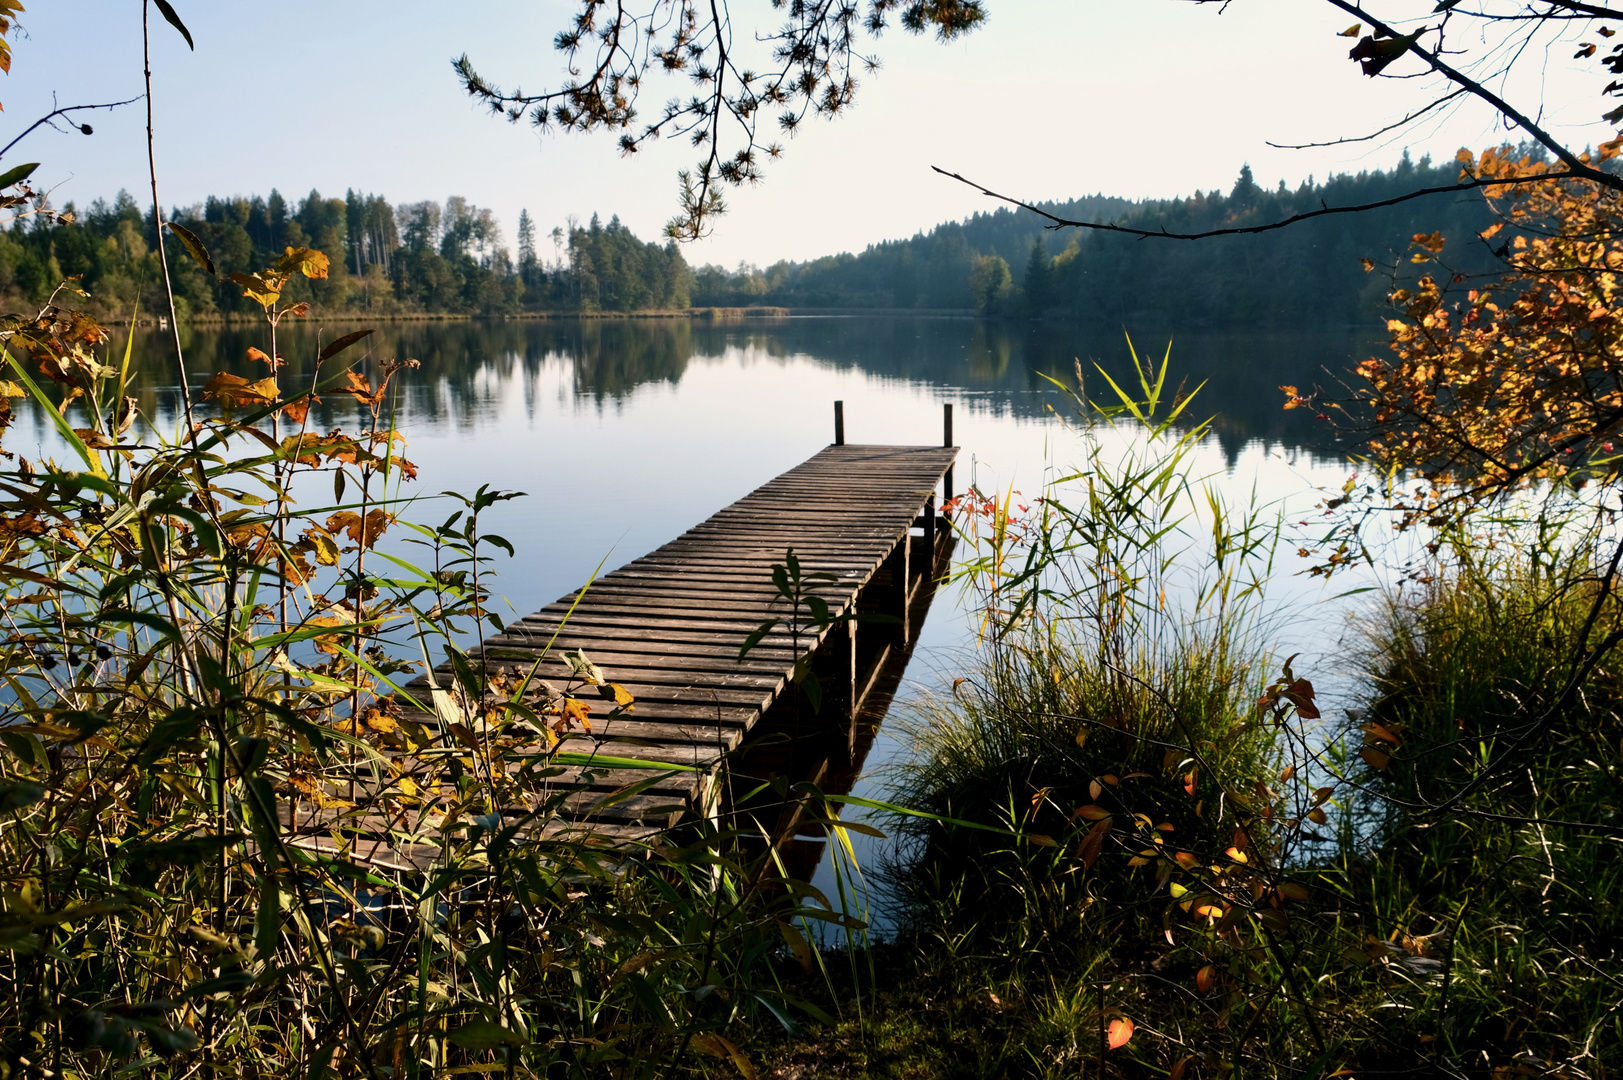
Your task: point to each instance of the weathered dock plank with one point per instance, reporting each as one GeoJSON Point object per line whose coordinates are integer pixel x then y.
{"type": "Point", "coordinates": [668, 627]}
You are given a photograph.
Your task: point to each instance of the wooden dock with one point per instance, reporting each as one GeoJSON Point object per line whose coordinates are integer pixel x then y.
{"type": "Point", "coordinates": [668, 628]}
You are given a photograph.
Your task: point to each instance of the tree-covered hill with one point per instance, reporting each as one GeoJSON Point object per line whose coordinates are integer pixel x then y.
{"type": "Point", "coordinates": [1006, 262]}
{"type": "Point", "coordinates": [429, 257]}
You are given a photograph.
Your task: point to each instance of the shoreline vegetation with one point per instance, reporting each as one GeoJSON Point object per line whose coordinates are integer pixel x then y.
{"type": "Point", "coordinates": [701, 314]}
{"type": "Point", "coordinates": [1131, 843]}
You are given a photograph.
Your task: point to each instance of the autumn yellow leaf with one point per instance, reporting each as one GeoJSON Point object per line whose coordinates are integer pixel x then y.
{"type": "Point", "coordinates": [233, 391]}
{"type": "Point", "coordinates": [618, 694]}
{"type": "Point", "coordinates": [262, 289]}
{"type": "Point", "coordinates": [329, 643]}
{"type": "Point", "coordinates": [306, 261]}
{"type": "Point", "coordinates": [577, 711]}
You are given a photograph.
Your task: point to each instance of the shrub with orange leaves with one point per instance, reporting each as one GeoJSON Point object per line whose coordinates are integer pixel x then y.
{"type": "Point", "coordinates": [1519, 380]}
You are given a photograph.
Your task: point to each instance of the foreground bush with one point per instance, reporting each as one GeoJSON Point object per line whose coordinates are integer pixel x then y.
{"type": "Point", "coordinates": [1155, 861]}
{"type": "Point", "coordinates": [203, 733]}
{"type": "Point", "coordinates": [1488, 836]}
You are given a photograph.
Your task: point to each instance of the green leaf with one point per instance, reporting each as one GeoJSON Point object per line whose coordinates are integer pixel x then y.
{"type": "Point", "coordinates": [20, 173]}
{"type": "Point", "coordinates": [607, 761]}
{"type": "Point", "coordinates": [484, 1035]}
{"type": "Point", "coordinates": [807, 680]}
{"type": "Point", "coordinates": [191, 851]}
{"type": "Point", "coordinates": [174, 20]}
{"type": "Point", "coordinates": [784, 1020]}
{"type": "Point", "coordinates": [17, 795]}
{"type": "Point", "coordinates": [143, 618]}
{"type": "Point", "coordinates": [268, 920]}
{"type": "Point", "coordinates": [194, 246]}
{"type": "Point", "coordinates": [27, 748]}
{"type": "Point", "coordinates": [223, 984]}
{"type": "Point", "coordinates": [755, 637]}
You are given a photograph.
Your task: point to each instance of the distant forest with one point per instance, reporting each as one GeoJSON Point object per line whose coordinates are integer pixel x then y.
{"type": "Point", "coordinates": [450, 258]}
{"type": "Point", "coordinates": [421, 257]}
{"type": "Point", "coordinates": [1005, 262]}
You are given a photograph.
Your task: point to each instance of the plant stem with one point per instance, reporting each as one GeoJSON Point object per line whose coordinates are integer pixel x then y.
{"type": "Point", "coordinates": [157, 224]}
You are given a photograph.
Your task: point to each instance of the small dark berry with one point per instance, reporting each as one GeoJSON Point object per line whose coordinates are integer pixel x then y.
{"type": "Point", "coordinates": [47, 661]}
{"type": "Point", "coordinates": [87, 129]}
{"type": "Point", "coordinates": [103, 652]}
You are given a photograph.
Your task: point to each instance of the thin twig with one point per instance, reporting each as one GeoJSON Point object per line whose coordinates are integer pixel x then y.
{"type": "Point", "coordinates": [48, 117]}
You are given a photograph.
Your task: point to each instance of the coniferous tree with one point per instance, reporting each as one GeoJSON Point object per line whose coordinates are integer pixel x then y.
{"type": "Point", "coordinates": [1039, 277]}
{"type": "Point", "coordinates": [529, 265]}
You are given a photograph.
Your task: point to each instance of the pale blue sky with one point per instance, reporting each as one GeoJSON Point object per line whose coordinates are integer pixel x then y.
{"type": "Point", "coordinates": [1050, 99]}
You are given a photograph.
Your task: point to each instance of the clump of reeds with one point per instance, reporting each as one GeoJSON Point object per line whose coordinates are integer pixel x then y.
{"type": "Point", "coordinates": [1488, 827]}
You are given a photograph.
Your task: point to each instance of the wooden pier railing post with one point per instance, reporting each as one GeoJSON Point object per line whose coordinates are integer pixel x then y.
{"type": "Point", "coordinates": [946, 440]}
{"type": "Point", "coordinates": [839, 423]}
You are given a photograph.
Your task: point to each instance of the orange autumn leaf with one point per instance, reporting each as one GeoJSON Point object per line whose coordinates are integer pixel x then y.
{"type": "Point", "coordinates": [360, 387]}
{"type": "Point", "coordinates": [1432, 242]}
{"type": "Point", "coordinates": [275, 363]}
{"type": "Point", "coordinates": [579, 712]}
{"type": "Point", "coordinates": [233, 391]}
{"type": "Point", "coordinates": [619, 695]}
{"type": "Point", "coordinates": [1376, 759]}
{"type": "Point", "coordinates": [1093, 843]}
{"type": "Point", "coordinates": [362, 531]}
{"type": "Point", "coordinates": [1118, 1033]}
{"type": "Point", "coordinates": [328, 643]}
{"type": "Point", "coordinates": [298, 411]}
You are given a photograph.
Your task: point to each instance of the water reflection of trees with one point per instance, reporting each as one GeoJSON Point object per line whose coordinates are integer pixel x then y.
{"type": "Point", "coordinates": [467, 366]}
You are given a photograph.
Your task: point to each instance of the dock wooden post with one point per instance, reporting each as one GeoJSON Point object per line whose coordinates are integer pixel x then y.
{"type": "Point", "coordinates": [853, 702]}
{"type": "Point", "coordinates": [946, 440]}
{"type": "Point", "coordinates": [902, 578]}
{"type": "Point", "coordinates": [929, 533]}
{"type": "Point", "coordinates": [839, 423]}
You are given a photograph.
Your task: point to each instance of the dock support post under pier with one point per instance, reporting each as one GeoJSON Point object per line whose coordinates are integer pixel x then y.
{"type": "Point", "coordinates": [854, 700]}
{"type": "Point", "coordinates": [946, 440]}
{"type": "Point", "coordinates": [901, 580]}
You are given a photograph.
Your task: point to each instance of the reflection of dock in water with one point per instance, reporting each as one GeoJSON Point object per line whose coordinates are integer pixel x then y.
{"type": "Point", "coordinates": [791, 745]}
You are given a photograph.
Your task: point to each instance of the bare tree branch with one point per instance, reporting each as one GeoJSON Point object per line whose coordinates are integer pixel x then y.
{"type": "Point", "coordinates": [1417, 114]}
{"type": "Point", "coordinates": [48, 117]}
{"type": "Point", "coordinates": [1434, 59]}
{"type": "Point", "coordinates": [1246, 230]}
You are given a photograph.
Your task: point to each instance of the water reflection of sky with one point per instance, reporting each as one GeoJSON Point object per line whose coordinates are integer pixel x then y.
{"type": "Point", "coordinates": [624, 434]}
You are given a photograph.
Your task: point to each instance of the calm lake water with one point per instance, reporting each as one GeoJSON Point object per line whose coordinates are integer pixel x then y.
{"type": "Point", "coordinates": [624, 433]}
